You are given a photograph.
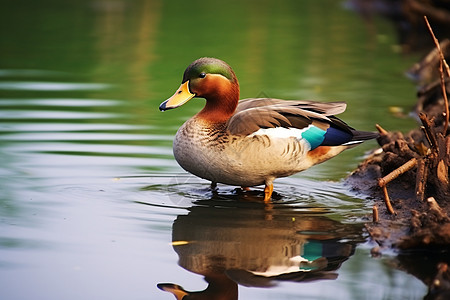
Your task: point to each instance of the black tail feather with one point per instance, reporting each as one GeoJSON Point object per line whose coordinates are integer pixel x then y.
{"type": "Point", "coordinates": [364, 135]}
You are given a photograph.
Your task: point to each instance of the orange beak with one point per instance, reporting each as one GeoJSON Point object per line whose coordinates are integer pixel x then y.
{"type": "Point", "coordinates": [181, 96]}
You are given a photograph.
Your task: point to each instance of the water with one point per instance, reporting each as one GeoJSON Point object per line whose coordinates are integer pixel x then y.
{"type": "Point", "coordinates": [92, 203]}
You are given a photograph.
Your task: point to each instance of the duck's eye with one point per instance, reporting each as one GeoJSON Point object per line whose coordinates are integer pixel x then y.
{"type": "Point", "coordinates": [202, 75]}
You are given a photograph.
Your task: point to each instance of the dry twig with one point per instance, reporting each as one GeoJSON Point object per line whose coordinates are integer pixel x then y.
{"type": "Point", "coordinates": [421, 178]}
{"type": "Point", "coordinates": [437, 156]}
{"type": "Point", "coordinates": [428, 129]}
{"type": "Point", "coordinates": [442, 63]}
{"type": "Point", "coordinates": [375, 214]}
{"type": "Point", "coordinates": [397, 172]}
{"type": "Point", "coordinates": [382, 182]}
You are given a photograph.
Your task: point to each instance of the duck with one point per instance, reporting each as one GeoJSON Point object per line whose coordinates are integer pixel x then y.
{"type": "Point", "coordinates": [252, 142]}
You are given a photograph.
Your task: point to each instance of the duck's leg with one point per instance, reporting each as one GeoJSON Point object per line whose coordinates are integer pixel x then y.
{"type": "Point", "coordinates": [245, 188]}
{"type": "Point", "coordinates": [268, 192]}
{"type": "Point", "coordinates": [213, 185]}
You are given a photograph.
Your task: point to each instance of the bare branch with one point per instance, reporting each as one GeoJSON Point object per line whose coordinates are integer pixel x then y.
{"type": "Point", "coordinates": [442, 63]}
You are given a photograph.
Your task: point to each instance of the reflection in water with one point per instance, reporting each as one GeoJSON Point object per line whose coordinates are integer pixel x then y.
{"type": "Point", "coordinates": [231, 244]}
{"type": "Point", "coordinates": [431, 267]}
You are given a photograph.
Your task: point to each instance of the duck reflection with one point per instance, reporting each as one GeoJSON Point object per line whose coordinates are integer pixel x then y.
{"type": "Point", "coordinates": [240, 245]}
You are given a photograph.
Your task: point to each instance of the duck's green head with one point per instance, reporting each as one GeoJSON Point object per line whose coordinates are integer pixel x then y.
{"type": "Point", "coordinates": [208, 65]}
{"type": "Point", "coordinates": [208, 78]}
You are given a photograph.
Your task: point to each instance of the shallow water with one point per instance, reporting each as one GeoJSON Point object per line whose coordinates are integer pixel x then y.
{"type": "Point", "coordinates": [92, 203]}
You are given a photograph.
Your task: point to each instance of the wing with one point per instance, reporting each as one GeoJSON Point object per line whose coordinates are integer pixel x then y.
{"type": "Point", "coordinates": [325, 108]}
{"type": "Point", "coordinates": [254, 114]}
{"type": "Point", "coordinates": [313, 121]}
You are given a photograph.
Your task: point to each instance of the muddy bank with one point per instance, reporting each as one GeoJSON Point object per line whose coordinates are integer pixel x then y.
{"type": "Point", "coordinates": [408, 177]}
{"type": "Point", "coordinates": [419, 197]}
{"type": "Point", "coordinates": [408, 180]}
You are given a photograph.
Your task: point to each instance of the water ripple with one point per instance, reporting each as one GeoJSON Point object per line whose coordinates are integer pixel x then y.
{"type": "Point", "coordinates": [73, 136]}
{"type": "Point", "coordinates": [65, 102]}
{"type": "Point", "coordinates": [52, 86]}
{"type": "Point", "coordinates": [55, 115]}
{"type": "Point", "coordinates": [30, 73]}
{"type": "Point", "coordinates": [66, 127]}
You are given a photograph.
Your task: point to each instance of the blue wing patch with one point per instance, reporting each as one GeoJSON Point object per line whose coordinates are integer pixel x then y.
{"type": "Point", "coordinates": [331, 137]}
{"type": "Point", "coordinates": [314, 135]}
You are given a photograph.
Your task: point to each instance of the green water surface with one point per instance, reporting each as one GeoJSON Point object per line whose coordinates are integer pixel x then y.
{"type": "Point", "coordinates": [91, 197]}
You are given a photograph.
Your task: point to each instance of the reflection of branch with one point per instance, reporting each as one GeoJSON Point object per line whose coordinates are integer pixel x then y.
{"type": "Point", "coordinates": [442, 63]}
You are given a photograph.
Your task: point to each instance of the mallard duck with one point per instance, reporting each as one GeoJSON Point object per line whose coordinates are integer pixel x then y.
{"type": "Point", "coordinates": [253, 141]}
